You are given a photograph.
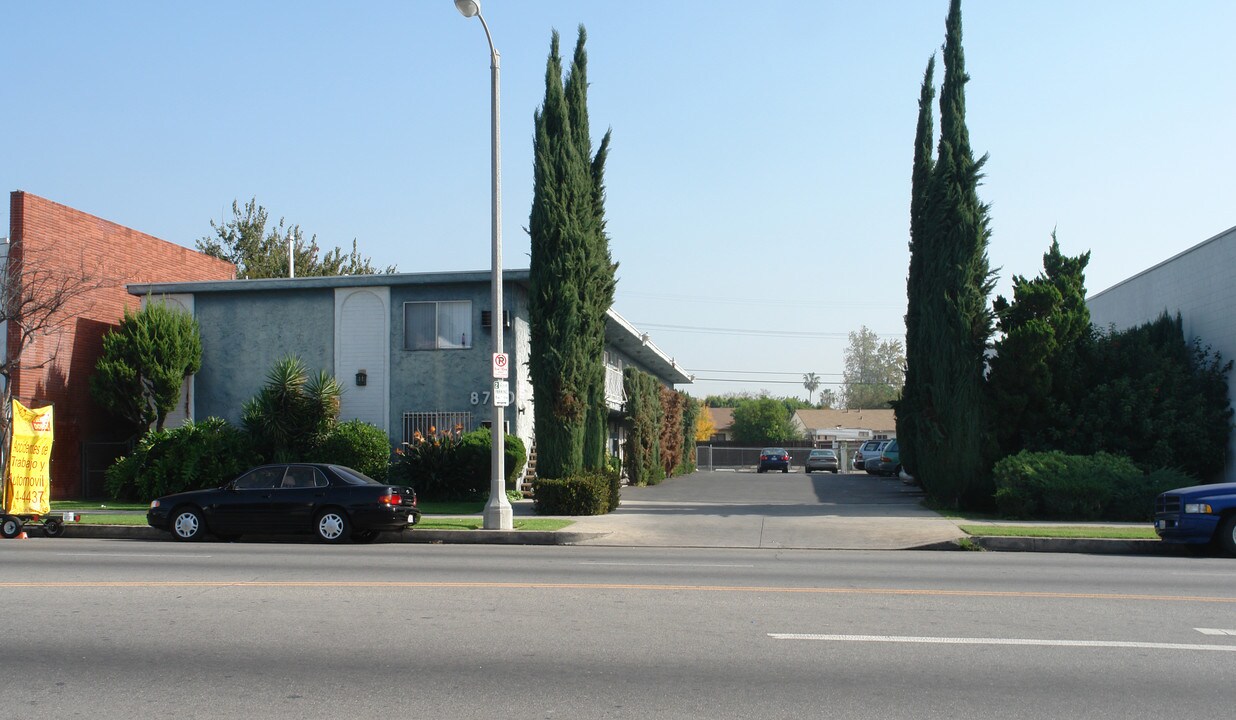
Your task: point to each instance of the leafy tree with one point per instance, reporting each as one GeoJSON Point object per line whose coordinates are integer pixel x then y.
{"type": "Point", "coordinates": [145, 362]}
{"type": "Point", "coordinates": [874, 370]}
{"type": "Point", "coordinates": [244, 241]}
{"type": "Point", "coordinates": [1036, 373]}
{"type": "Point", "coordinates": [945, 421]}
{"type": "Point", "coordinates": [828, 399]}
{"type": "Point", "coordinates": [293, 412]}
{"type": "Point", "coordinates": [729, 400]}
{"type": "Point", "coordinates": [763, 421]}
{"type": "Point", "coordinates": [571, 276]}
{"type": "Point", "coordinates": [704, 426]}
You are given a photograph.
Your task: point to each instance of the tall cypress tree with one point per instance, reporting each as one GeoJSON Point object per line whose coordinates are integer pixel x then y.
{"type": "Point", "coordinates": [948, 417]}
{"type": "Point", "coordinates": [571, 276]}
{"type": "Point", "coordinates": [907, 407]}
{"type": "Point", "coordinates": [598, 281]}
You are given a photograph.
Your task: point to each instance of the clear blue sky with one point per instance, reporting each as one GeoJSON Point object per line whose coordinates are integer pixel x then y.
{"type": "Point", "coordinates": [758, 183]}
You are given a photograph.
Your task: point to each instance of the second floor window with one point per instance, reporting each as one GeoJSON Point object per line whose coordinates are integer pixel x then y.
{"type": "Point", "coordinates": [437, 325]}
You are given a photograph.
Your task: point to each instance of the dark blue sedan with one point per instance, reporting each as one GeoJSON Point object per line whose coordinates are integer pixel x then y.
{"type": "Point", "coordinates": [774, 459]}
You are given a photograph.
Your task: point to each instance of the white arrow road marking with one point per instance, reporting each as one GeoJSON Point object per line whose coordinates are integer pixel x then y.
{"type": "Point", "coordinates": [1002, 641]}
{"type": "Point", "coordinates": [1215, 631]}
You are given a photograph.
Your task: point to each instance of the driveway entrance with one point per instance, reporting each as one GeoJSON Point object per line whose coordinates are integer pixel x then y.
{"type": "Point", "coordinates": [772, 510]}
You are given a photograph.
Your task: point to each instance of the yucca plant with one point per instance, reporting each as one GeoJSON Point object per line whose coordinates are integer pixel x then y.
{"type": "Point", "coordinates": [293, 412]}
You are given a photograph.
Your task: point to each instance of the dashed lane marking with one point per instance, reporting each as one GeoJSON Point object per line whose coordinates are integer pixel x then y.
{"type": "Point", "coordinates": [1003, 641]}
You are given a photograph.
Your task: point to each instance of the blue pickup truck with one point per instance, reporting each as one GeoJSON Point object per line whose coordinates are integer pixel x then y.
{"type": "Point", "coordinates": [1197, 515]}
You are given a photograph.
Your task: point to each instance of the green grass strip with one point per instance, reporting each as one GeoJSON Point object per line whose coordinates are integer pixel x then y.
{"type": "Point", "coordinates": [1061, 531]}
{"type": "Point", "coordinates": [448, 523]}
{"type": "Point", "coordinates": [58, 505]}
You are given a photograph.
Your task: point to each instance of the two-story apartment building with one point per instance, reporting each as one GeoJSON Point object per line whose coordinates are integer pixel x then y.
{"type": "Point", "coordinates": [413, 350]}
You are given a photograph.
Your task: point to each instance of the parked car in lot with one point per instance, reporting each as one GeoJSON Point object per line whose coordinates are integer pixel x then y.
{"type": "Point", "coordinates": [822, 459]}
{"type": "Point", "coordinates": [333, 502]}
{"type": "Point", "coordinates": [1197, 515]}
{"type": "Point", "coordinates": [889, 462]}
{"type": "Point", "coordinates": [866, 452]}
{"type": "Point", "coordinates": [774, 459]}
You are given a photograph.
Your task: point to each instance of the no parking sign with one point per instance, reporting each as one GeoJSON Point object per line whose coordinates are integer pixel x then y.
{"type": "Point", "coordinates": [500, 366]}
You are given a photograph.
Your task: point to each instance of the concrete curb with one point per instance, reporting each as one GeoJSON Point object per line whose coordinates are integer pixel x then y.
{"type": "Point", "coordinates": [471, 537]}
{"type": "Point", "coordinates": [1093, 546]}
{"type": "Point", "coordinates": [567, 537]}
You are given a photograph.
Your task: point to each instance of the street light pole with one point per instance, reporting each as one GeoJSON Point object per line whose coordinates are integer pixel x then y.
{"type": "Point", "coordinates": [498, 509]}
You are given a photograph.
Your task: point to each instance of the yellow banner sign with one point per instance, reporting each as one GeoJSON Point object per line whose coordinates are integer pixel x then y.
{"type": "Point", "coordinates": [27, 489]}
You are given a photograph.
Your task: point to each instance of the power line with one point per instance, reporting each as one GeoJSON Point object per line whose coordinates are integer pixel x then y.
{"type": "Point", "coordinates": [801, 334]}
{"type": "Point", "coordinates": [756, 372]}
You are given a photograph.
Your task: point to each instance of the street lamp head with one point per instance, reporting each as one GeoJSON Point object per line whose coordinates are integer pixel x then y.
{"type": "Point", "coordinates": [468, 8]}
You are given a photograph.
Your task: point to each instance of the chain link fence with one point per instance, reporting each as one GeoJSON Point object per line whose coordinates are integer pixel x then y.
{"type": "Point", "coordinates": [709, 457]}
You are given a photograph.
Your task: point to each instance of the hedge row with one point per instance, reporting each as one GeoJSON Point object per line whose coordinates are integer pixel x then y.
{"type": "Point", "coordinates": [590, 493]}
{"type": "Point", "coordinates": [1053, 485]}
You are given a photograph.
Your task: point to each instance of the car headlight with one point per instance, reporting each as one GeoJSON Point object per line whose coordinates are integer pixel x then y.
{"type": "Point", "coordinates": [1197, 508]}
{"type": "Point", "coordinates": [154, 504]}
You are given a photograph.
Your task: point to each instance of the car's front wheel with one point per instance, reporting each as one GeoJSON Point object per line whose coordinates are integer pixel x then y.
{"type": "Point", "coordinates": [332, 526]}
{"type": "Point", "coordinates": [1227, 534]}
{"type": "Point", "coordinates": [187, 524]}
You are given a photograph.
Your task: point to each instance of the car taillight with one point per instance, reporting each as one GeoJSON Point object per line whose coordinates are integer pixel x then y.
{"type": "Point", "coordinates": [391, 499]}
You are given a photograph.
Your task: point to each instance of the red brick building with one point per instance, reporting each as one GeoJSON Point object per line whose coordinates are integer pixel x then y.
{"type": "Point", "coordinates": [45, 234]}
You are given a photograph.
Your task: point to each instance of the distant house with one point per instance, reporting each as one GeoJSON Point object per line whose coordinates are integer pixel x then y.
{"type": "Point", "coordinates": [1196, 283]}
{"type": "Point", "coordinates": [835, 428]}
{"type": "Point", "coordinates": [723, 424]}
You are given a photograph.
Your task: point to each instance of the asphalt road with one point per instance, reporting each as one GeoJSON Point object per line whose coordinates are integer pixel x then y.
{"type": "Point", "coordinates": [125, 629]}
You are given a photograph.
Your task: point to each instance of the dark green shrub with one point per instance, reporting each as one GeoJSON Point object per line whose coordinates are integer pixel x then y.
{"type": "Point", "coordinates": [1078, 487]}
{"type": "Point", "coordinates": [584, 494]}
{"type": "Point", "coordinates": [428, 464]}
{"type": "Point", "coordinates": [190, 457]}
{"type": "Point", "coordinates": [357, 444]}
{"type": "Point", "coordinates": [455, 466]}
{"type": "Point", "coordinates": [1134, 501]}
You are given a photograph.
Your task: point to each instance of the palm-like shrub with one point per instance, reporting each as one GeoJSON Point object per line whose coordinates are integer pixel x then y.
{"type": "Point", "coordinates": [293, 413]}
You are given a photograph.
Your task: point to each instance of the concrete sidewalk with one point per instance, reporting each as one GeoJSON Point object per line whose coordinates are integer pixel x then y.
{"type": "Point", "coordinates": [746, 510]}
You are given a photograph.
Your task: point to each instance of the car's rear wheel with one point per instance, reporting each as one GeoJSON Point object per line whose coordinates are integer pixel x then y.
{"type": "Point", "coordinates": [1227, 534]}
{"type": "Point", "coordinates": [332, 526]}
{"type": "Point", "coordinates": [187, 524]}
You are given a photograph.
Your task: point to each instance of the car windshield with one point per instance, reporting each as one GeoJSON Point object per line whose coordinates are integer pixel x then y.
{"type": "Point", "coordinates": [354, 477]}
{"type": "Point", "coordinates": [821, 453]}
{"type": "Point", "coordinates": [772, 451]}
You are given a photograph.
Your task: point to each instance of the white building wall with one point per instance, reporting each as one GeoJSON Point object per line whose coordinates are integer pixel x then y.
{"type": "Point", "coordinates": [519, 414]}
{"type": "Point", "coordinates": [1197, 284]}
{"type": "Point", "coordinates": [362, 342]}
